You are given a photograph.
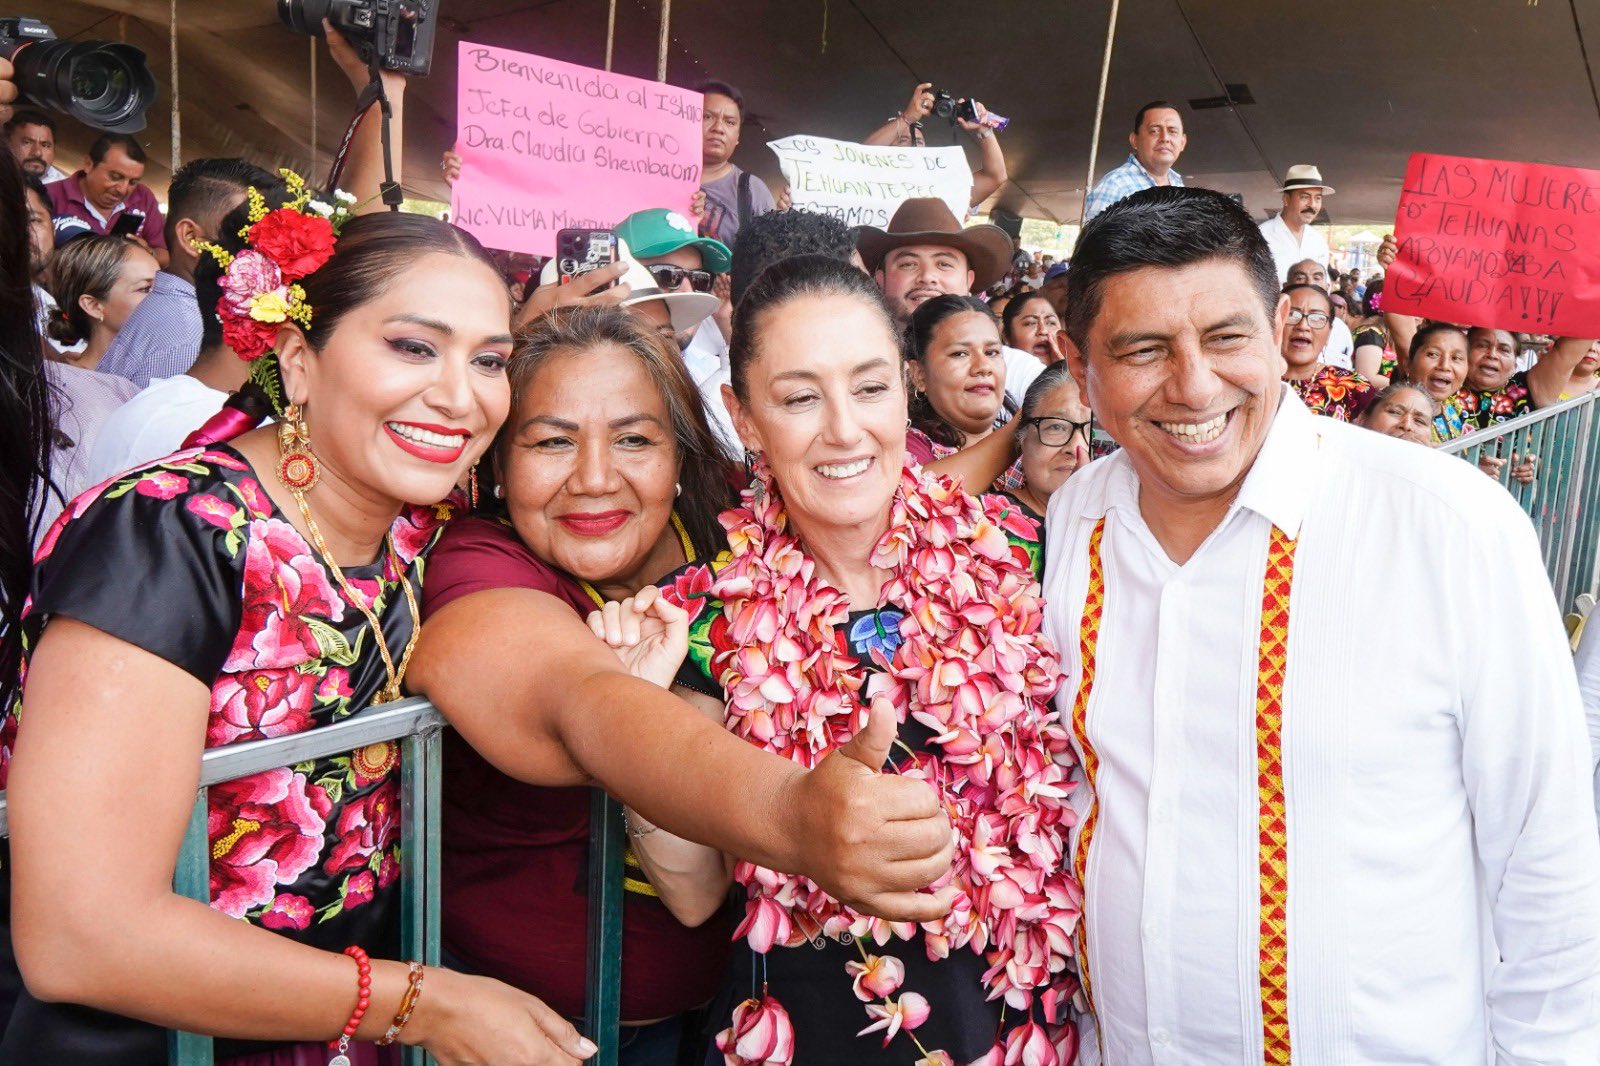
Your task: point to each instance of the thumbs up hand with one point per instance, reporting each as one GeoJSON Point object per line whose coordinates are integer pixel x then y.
{"type": "Point", "coordinates": [873, 840]}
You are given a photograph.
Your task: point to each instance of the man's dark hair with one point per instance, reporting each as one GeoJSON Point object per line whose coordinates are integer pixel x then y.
{"type": "Point", "coordinates": [100, 148]}
{"type": "Point", "coordinates": [206, 189]}
{"type": "Point", "coordinates": [1153, 105]}
{"type": "Point", "coordinates": [776, 235]}
{"type": "Point", "coordinates": [30, 116]}
{"type": "Point", "coordinates": [1165, 226]}
{"type": "Point", "coordinates": [722, 88]}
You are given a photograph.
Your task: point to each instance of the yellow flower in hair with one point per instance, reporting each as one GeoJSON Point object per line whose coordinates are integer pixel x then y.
{"type": "Point", "coordinates": [270, 306]}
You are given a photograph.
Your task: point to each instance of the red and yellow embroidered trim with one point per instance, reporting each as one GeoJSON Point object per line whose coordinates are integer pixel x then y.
{"type": "Point", "coordinates": [1094, 603]}
{"type": "Point", "coordinates": [1274, 844]}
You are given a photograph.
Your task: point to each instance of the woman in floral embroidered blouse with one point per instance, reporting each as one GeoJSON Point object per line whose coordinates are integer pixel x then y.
{"type": "Point", "coordinates": [1326, 390]}
{"type": "Point", "coordinates": [843, 579]}
{"type": "Point", "coordinates": [1438, 363]}
{"type": "Point", "coordinates": [194, 603]}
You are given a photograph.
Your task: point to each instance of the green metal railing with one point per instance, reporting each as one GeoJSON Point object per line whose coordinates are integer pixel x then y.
{"type": "Point", "coordinates": [417, 726]}
{"type": "Point", "coordinates": [1563, 499]}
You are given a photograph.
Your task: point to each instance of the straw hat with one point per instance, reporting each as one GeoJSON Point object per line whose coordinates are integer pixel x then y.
{"type": "Point", "coordinates": [1305, 176]}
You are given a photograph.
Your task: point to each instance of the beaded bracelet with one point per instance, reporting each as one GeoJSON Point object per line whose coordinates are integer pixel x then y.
{"type": "Point", "coordinates": [408, 1003]}
{"type": "Point", "coordinates": [340, 1045]}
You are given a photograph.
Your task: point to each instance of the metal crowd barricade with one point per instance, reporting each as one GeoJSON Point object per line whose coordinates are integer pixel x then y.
{"type": "Point", "coordinates": [1563, 499]}
{"type": "Point", "coordinates": [416, 724]}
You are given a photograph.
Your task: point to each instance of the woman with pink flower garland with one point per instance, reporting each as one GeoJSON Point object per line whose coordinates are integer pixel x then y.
{"type": "Point", "coordinates": [853, 577]}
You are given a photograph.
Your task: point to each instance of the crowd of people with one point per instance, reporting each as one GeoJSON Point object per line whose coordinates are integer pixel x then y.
{"type": "Point", "coordinates": [966, 633]}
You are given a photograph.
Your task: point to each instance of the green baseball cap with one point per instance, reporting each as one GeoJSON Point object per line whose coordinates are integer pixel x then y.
{"type": "Point", "coordinates": [658, 231]}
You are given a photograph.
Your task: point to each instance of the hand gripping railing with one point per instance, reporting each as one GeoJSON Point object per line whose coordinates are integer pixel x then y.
{"type": "Point", "coordinates": [417, 725]}
{"type": "Point", "coordinates": [1563, 499]}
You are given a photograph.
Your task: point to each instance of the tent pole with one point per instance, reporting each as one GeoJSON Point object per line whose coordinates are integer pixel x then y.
{"type": "Point", "coordinates": [172, 49]}
{"type": "Point", "coordinates": [611, 34]}
{"type": "Point", "coordinates": [1100, 103]}
{"type": "Point", "coordinates": [313, 42]}
{"type": "Point", "coordinates": [661, 45]}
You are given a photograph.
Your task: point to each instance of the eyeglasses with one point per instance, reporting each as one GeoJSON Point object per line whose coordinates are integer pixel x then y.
{"type": "Point", "coordinates": [1314, 319]}
{"type": "Point", "coordinates": [670, 277]}
{"type": "Point", "coordinates": [1057, 432]}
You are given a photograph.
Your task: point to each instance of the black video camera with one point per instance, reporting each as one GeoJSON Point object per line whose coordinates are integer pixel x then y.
{"type": "Point", "coordinates": [103, 84]}
{"type": "Point", "coordinates": [399, 33]}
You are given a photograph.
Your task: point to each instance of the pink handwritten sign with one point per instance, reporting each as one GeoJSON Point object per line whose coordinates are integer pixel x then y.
{"type": "Point", "coordinates": [547, 145]}
{"type": "Point", "coordinates": [1512, 246]}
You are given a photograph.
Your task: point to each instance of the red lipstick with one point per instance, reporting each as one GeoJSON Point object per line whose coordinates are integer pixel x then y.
{"type": "Point", "coordinates": [594, 523]}
{"type": "Point", "coordinates": [430, 452]}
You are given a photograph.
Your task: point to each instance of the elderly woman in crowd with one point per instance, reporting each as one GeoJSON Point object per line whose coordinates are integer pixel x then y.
{"type": "Point", "coordinates": [1030, 324]}
{"type": "Point", "coordinates": [1402, 410]}
{"type": "Point", "coordinates": [266, 584]}
{"type": "Point", "coordinates": [1054, 435]}
{"type": "Point", "coordinates": [96, 282]}
{"type": "Point", "coordinates": [840, 588]}
{"type": "Point", "coordinates": [957, 374]}
{"type": "Point", "coordinates": [1326, 390]}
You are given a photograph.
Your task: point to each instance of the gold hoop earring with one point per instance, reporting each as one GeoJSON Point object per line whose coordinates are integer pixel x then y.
{"type": "Point", "coordinates": [297, 464]}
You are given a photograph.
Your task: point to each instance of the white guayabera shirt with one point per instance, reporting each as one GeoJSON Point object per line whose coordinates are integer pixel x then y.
{"type": "Point", "coordinates": [1443, 864]}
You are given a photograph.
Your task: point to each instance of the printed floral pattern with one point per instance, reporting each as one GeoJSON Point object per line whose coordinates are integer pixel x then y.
{"type": "Point", "coordinates": [1335, 392]}
{"type": "Point", "coordinates": [294, 848]}
{"type": "Point", "coordinates": [1489, 408]}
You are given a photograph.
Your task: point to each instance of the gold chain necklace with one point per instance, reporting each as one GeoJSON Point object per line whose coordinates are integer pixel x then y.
{"type": "Point", "coordinates": [688, 557]}
{"type": "Point", "coordinates": [391, 691]}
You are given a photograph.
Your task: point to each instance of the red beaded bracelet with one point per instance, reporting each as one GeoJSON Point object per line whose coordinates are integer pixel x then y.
{"type": "Point", "coordinates": [341, 1044]}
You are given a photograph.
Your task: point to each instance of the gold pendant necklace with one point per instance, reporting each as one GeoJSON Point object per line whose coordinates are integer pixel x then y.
{"type": "Point", "coordinates": [391, 691]}
{"type": "Point", "coordinates": [688, 557]}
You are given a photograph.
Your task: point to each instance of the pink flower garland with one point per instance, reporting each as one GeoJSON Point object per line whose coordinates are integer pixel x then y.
{"type": "Point", "coordinates": [975, 669]}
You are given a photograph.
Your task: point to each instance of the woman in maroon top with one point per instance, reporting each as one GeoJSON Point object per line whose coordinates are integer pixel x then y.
{"type": "Point", "coordinates": [606, 478]}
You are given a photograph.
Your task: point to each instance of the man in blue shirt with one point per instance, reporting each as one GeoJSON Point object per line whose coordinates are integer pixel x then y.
{"type": "Point", "coordinates": [162, 336]}
{"type": "Point", "coordinates": [1157, 141]}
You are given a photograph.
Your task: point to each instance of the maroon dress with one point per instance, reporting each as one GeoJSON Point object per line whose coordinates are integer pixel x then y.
{"type": "Point", "coordinates": [516, 856]}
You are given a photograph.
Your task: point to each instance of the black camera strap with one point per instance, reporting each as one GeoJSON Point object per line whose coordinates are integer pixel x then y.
{"type": "Point", "coordinates": [373, 93]}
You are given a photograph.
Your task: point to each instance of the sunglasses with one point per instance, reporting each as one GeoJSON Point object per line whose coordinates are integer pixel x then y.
{"type": "Point", "coordinates": [670, 277]}
{"type": "Point", "coordinates": [1056, 432]}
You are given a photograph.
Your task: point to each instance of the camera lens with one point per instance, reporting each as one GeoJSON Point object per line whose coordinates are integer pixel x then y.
{"type": "Point", "coordinates": [92, 81]}
{"type": "Point", "coordinates": [102, 84]}
{"type": "Point", "coordinates": [304, 16]}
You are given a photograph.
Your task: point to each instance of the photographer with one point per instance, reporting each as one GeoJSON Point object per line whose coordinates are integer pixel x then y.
{"type": "Point", "coordinates": [904, 129]}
